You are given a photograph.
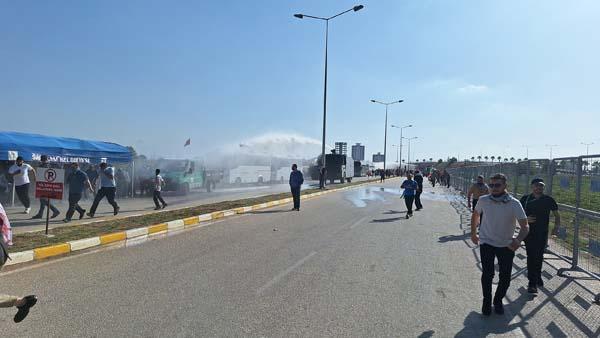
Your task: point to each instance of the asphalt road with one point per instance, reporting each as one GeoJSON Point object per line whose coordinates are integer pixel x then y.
{"type": "Point", "coordinates": [135, 206]}
{"type": "Point", "coordinates": [347, 264]}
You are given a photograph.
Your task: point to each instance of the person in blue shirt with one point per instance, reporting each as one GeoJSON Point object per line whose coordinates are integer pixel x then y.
{"type": "Point", "coordinates": [78, 182]}
{"type": "Point", "coordinates": [410, 188]}
{"type": "Point", "coordinates": [296, 180]}
{"type": "Point", "coordinates": [108, 188]}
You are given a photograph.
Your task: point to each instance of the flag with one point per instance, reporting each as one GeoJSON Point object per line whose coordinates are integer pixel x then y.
{"type": "Point", "coordinates": [188, 142]}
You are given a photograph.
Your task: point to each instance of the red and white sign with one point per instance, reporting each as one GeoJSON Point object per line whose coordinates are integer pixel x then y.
{"type": "Point", "coordinates": [49, 183]}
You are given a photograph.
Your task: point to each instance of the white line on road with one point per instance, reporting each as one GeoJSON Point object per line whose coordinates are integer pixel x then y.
{"type": "Point", "coordinates": [285, 273]}
{"type": "Point", "coordinates": [359, 222]}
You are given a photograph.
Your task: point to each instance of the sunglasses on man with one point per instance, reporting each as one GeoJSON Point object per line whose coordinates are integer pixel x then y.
{"type": "Point", "coordinates": [495, 185]}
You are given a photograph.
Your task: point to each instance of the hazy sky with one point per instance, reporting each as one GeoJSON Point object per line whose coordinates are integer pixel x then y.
{"type": "Point", "coordinates": [477, 77]}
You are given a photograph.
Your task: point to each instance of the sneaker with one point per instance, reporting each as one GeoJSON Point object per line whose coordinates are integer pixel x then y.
{"type": "Point", "coordinates": [38, 216]}
{"type": "Point", "coordinates": [27, 210]}
{"type": "Point", "coordinates": [157, 208]}
{"type": "Point", "coordinates": [540, 283]}
{"type": "Point", "coordinates": [66, 220]}
{"type": "Point", "coordinates": [90, 215]}
{"type": "Point", "coordinates": [486, 308]}
{"type": "Point", "coordinates": [55, 214]}
{"type": "Point", "coordinates": [532, 289]}
{"type": "Point", "coordinates": [499, 308]}
{"type": "Point", "coordinates": [116, 211]}
{"type": "Point", "coordinates": [407, 216]}
{"type": "Point", "coordinates": [164, 205]}
{"type": "Point", "coordinates": [81, 214]}
{"type": "Point", "coordinates": [24, 309]}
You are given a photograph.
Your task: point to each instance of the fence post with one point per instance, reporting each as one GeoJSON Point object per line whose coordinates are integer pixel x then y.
{"type": "Point", "coordinates": [550, 177]}
{"type": "Point", "coordinates": [577, 213]}
{"type": "Point", "coordinates": [526, 190]}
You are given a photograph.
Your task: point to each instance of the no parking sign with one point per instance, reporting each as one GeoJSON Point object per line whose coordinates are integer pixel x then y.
{"type": "Point", "coordinates": [49, 183]}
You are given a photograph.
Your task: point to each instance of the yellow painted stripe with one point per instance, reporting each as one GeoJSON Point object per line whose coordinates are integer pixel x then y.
{"type": "Point", "coordinates": [190, 220]}
{"type": "Point", "coordinates": [53, 250]}
{"type": "Point", "coordinates": [239, 210]}
{"type": "Point", "coordinates": [115, 237]}
{"type": "Point", "coordinates": [157, 228]}
{"type": "Point", "coordinates": [217, 214]}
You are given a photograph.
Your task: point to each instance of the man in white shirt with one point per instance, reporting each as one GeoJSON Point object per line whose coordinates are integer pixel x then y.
{"type": "Point", "coordinates": [20, 172]}
{"type": "Point", "coordinates": [158, 183]}
{"type": "Point", "coordinates": [495, 239]}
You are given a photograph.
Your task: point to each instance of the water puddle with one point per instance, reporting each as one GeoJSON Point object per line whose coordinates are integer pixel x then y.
{"type": "Point", "coordinates": [361, 196]}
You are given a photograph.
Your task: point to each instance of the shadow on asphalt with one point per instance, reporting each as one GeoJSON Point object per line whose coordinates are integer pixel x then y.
{"type": "Point", "coordinates": [268, 212]}
{"type": "Point", "coordinates": [451, 238]}
{"type": "Point", "coordinates": [387, 220]}
{"type": "Point", "coordinates": [392, 212]}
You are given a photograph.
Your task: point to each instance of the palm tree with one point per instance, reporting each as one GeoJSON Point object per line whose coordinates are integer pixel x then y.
{"type": "Point", "coordinates": [424, 160]}
{"type": "Point", "coordinates": [431, 159]}
{"type": "Point", "coordinates": [417, 160]}
{"type": "Point", "coordinates": [493, 158]}
{"type": "Point", "coordinates": [486, 158]}
{"type": "Point", "coordinates": [525, 159]}
{"type": "Point", "coordinates": [479, 158]}
{"type": "Point", "coordinates": [472, 158]}
{"type": "Point", "coordinates": [505, 159]}
{"type": "Point", "coordinates": [512, 159]}
{"type": "Point", "coordinates": [519, 160]}
{"type": "Point", "coordinates": [499, 158]}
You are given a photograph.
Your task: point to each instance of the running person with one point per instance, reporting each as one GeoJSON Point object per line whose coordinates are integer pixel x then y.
{"type": "Point", "coordinates": [537, 206]}
{"type": "Point", "coordinates": [20, 172]}
{"type": "Point", "coordinates": [77, 181]}
{"type": "Point", "coordinates": [410, 188]}
{"type": "Point", "coordinates": [108, 188]}
{"type": "Point", "coordinates": [419, 180]}
{"type": "Point", "coordinates": [45, 202]}
{"type": "Point", "coordinates": [495, 239]}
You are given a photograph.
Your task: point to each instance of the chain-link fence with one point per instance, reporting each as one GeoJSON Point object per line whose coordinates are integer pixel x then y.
{"type": "Point", "coordinates": [574, 182]}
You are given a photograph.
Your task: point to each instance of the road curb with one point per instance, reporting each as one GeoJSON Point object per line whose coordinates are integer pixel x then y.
{"type": "Point", "coordinates": [138, 235]}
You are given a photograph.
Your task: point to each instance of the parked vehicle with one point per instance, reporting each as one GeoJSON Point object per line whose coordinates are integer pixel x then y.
{"type": "Point", "coordinates": [250, 174]}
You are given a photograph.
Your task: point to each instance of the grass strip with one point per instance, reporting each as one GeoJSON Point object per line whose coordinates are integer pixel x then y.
{"type": "Point", "coordinates": [32, 240]}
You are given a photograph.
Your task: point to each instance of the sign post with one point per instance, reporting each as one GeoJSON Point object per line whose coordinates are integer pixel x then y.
{"type": "Point", "coordinates": [12, 156]}
{"type": "Point", "coordinates": [49, 184]}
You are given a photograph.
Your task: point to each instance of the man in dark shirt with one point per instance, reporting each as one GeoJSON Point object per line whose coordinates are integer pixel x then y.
{"type": "Point", "coordinates": [296, 180]}
{"type": "Point", "coordinates": [537, 207]}
{"type": "Point", "coordinates": [419, 180]}
{"type": "Point", "coordinates": [78, 181]}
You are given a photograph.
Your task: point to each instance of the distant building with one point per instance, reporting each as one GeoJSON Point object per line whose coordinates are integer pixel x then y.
{"type": "Point", "coordinates": [379, 157]}
{"type": "Point", "coordinates": [358, 152]}
{"type": "Point", "coordinates": [341, 148]}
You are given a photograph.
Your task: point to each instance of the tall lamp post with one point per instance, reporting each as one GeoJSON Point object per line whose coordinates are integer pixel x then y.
{"type": "Point", "coordinates": [409, 139]}
{"type": "Point", "coordinates": [551, 146]}
{"type": "Point", "coordinates": [401, 128]}
{"type": "Point", "coordinates": [587, 147]}
{"type": "Point", "coordinates": [386, 125]}
{"type": "Point", "coordinates": [302, 16]}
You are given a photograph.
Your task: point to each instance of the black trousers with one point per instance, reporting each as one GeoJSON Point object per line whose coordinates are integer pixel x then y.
{"type": "Point", "coordinates": [157, 197]}
{"type": "Point", "coordinates": [408, 200]}
{"type": "Point", "coordinates": [23, 194]}
{"type": "Point", "coordinates": [74, 205]}
{"type": "Point", "coordinates": [45, 203]}
{"type": "Point", "coordinates": [110, 196]}
{"type": "Point", "coordinates": [418, 200]}
{"type": "Point", "coordinates": [474, 203]}
{"type": "Point", "coordinates": [296, 196]}
{"type": "Point", "coordinates": [505, 260]}
{"type": "Point", "coordinates": [321, 182]}
{"type": "Point", "coordinates": [535, 244]}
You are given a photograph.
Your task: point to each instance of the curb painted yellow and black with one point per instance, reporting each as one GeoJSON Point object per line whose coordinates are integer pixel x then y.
{"type": "Point", "coordinates": [136, 235]}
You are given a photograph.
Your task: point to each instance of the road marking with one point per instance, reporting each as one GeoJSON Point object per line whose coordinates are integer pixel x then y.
{"type": "Point", "coordinates": [359, 222]}
{"type": "Point", "coordinates": [285, 273]}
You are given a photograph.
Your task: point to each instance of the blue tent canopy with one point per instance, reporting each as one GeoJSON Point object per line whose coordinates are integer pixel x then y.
{"type": "Point", "coordinates": [61, 149]}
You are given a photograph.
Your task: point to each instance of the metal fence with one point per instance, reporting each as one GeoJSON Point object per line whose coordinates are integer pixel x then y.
{"type": "Point", "coordinates": [574, 182]}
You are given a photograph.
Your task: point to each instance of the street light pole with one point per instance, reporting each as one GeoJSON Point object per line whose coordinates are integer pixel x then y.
{"type": "Point", "coordinates": [386, 127]}
{"type": "Point", "coordinates": [302, 16]}
{"type": "Point", "coordinates": [551, 146]}
{"type": "Point", "coordinates": [587, 147]}
{"type": "Point", "coordinates": [401, 128]}
{"type": "Point", "coordinates": [409, 139]}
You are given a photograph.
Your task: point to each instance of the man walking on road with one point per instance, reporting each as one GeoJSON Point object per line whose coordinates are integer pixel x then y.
{"type": "Point", "coordinates": [77, 181]}
{"type": "Point", "coordinates": [410, 188]}
{"type": "Point", "coordinates": [477, 190]}
{"type": "Point", "coordinates": [158, 184]}
{"type": "Point", "coordinates": [108, 187]}
{"type": "Point", "coordinates": [20, 173]}
{"type": "Point", "coordinates": [322, 177]}
{"type": "Point", "coordinates": [495, 239]}
{"type": "Point", "coordinates": [6, 301]}
{"type": "Point", "coordinates": [419, 180]}
{"type": "Point", "coordinates": [296, 180]}
{"type": "Point", "coordinates": [45, 202]}
{"type": "Point", "coordinates": [381, 176]}
{"type": "Point", "coordinates": [537, 207]}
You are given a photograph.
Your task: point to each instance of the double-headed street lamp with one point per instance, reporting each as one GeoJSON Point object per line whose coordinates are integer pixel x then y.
{"type": "Point", "coordinates": [587, 147]}
{"type": "Point", "coordinates": [302, 16]}
{"type": "Point", "coordinates": [386, 125]}
{"type": "Point", "coordinates": [409, 139]}
{"type": "Point", "coordinates": [401, 128]}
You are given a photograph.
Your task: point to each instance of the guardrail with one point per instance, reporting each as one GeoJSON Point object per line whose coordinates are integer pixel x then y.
{"type": "Point", "coordinates": [574, 182]}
